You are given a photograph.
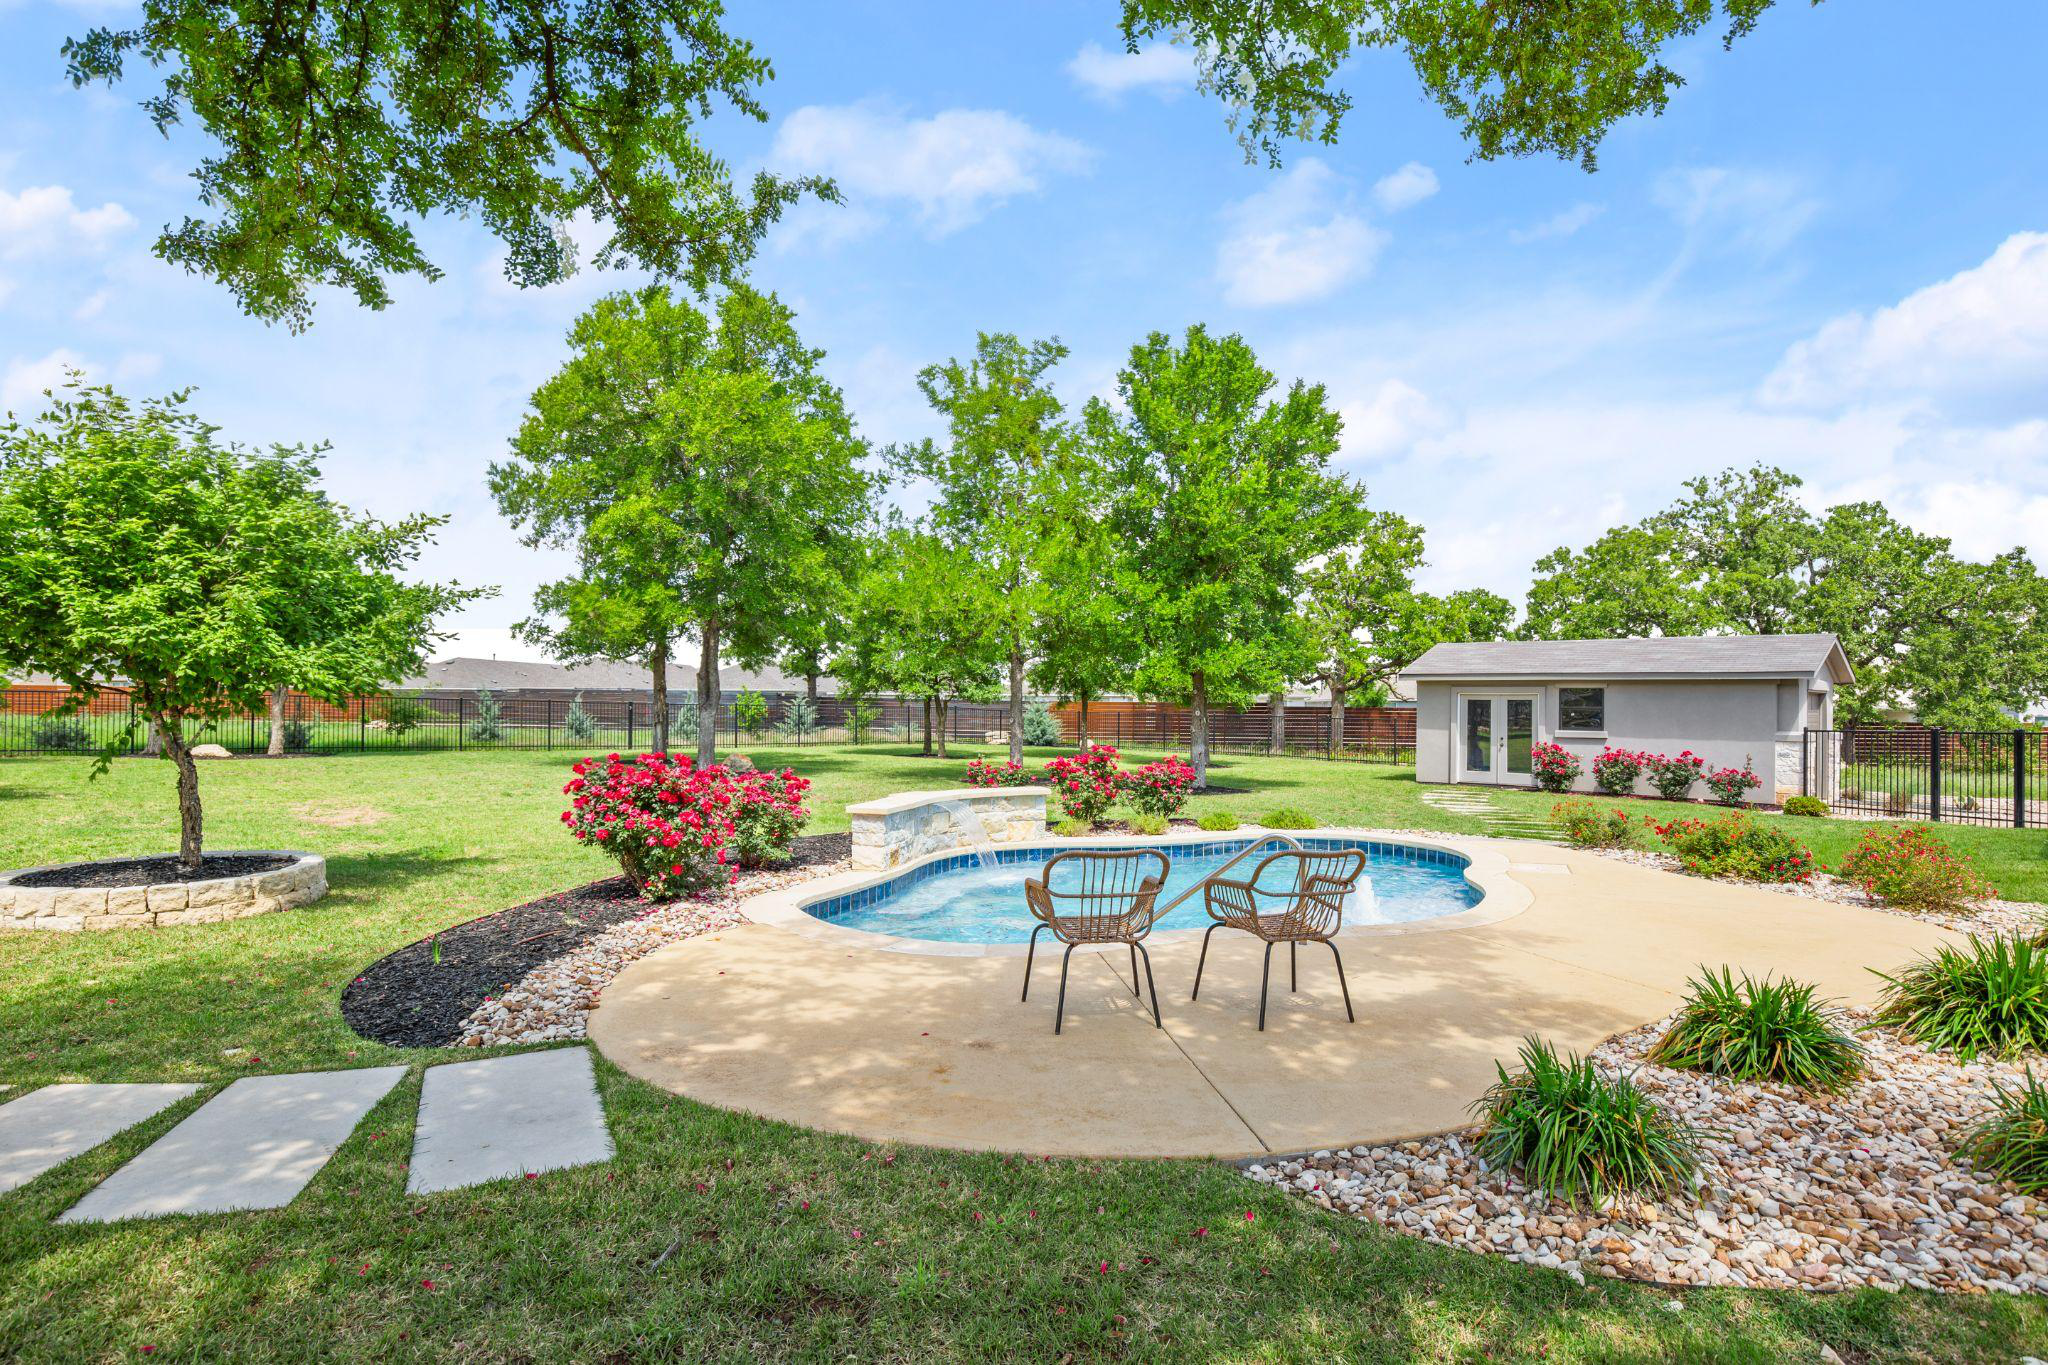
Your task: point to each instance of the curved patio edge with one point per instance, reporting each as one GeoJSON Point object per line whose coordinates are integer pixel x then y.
{"type": "Point", "coordinates": [1486, 868]}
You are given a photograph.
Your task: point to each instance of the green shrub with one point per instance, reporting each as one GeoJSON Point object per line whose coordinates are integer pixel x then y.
{"type": "Point", "coordinates": [1041, 729]}
{"type": "Point", "coordinates": [577, 721]}
{"type": "Point", "coordinates": [1288, 817]}
{"type": "Point", "coordinates": [1588, 824]}
{"type": "Point", "coordinates": [2012, 1141]}
{"type": "Point", "coordinates": [298, 736]}
{"type": "Point", "coordinates": [1910, 868]}
{"type": "Point", "coordinates": [486, 725]}
{"type": "Point", "coordinates": [61, 734]}
{"type": "Point", "coordinates": [1148, 823]}
{"type": "Point", "coordinates": [682, 725]}
{"type": "Point", "coordinates": [750, 712]}
{"type": "Point", "coordinates": [1805, 805]}
{"type": "Point", "coordinates": [1575, 1134]}
{"type": "Point", "coordinates": [1736, 845]}
{"type": "Point", "coordinates": [404, 712]}
{"type": "Point", "coordinates": [1990, 997]}
{"type": "Point", "coordinates": [1073, 829]}
{"type": "Point", "coordinates": [1217, 821]}
{"type": "Point", "coordinates": [1766, 1030]}
{"type": "Point", "coordinates": [799, 719]}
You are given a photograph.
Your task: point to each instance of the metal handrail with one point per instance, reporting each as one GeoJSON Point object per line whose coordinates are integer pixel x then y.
{"type": "Point", "coordinates": [1246, 852]}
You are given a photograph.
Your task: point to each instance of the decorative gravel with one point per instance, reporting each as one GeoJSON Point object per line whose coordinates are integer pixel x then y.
{"type": "Point", "coordinates": [1819, 1192]}
{"type": "Point", "coordinates": [554, 999]}
{"type": "Point", "coordinates": [1986, 916]}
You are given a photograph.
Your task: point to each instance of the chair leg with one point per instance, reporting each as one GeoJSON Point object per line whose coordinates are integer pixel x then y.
{"type": "Point", "coordinates": [1202, 961]}
{"type": "Point", "coordinates": [1059, 1017]}
{"type": "Point", "coordinates": [1152, 986]}
{"type": "Point", "coordinates": [1341, 983]}
{"type": "Point", "coordinates": [1293, 967]}
{"type": "Point", "coordinates": [1134, 973]}
{"type": "Point", "coordinates": [1265, 973]}
{"type": "Point", "coordinates": [1030, 953]}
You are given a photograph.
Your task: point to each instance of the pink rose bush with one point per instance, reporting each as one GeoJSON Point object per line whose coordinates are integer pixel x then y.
{"type": "Point", "coordinates": [1673, 777]}
{"type": "Point", "coordinates": [982, 773]}
{"type": "Point", "coordinates": [676, 828]}
{"type": "Point", "coordinates": [1160, 788]}
{"type": "Point", "coordinates": [1088, 783]}
{"type": "Point", "coordinates": [1615, 770]}
{"type": "Point", "coordinates": [1729, 784]}
{"type": "Point", "coordinates": [1555, 766]}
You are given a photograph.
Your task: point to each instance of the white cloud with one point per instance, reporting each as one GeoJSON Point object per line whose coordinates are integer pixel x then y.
{"type": "Point", "coordinates": [1754, 211]}
{"type": "Point", "coordinates": [21, 388]}
{"type": "Point", "coordinates": [954, 166]}
{"type": "Point", "coordinates": [1294, 240]}
{"type": "Point", "coordinates": [1390, 418]}
{"type": "Point", "coordinates": [45, 218]}
{"type": "Point", "coordinates": [1163, 71]}
{"type": "Point", "coordinates": [1561, 224]}
{"type": "Point", "coordinates": [813, 223]}
{"type": "Point", "coordinates": [1980, 334]}
{"type": "Point", "coordinates": [93, 305]}
{"type": "Point", "coordinates": [1404, 188]}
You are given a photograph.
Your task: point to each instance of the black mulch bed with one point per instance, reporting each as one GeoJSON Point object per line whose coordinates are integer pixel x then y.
{"type": "Point", "coordinates": [154, 871]}
{"type": "Point", "coordinates": [409, 1000]}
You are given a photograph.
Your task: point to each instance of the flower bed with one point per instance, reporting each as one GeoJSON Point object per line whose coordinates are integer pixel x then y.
{"type": "Point", "coordinates": [677, 828]}
{"type": "Point", "coordinates": [1909, 868]}
{"type": "Point", "coordinates": [1735, 847]}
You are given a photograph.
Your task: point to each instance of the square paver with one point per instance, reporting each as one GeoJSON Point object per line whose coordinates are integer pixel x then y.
{"type": "Point", "coordinates": [507, 1116]}
{"type": "Point", "coordinates": [48, 1127]}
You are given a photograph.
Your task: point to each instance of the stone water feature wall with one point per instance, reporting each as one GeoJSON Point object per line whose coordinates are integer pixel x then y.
{"type": "Point", "coordinates": [905, 827]}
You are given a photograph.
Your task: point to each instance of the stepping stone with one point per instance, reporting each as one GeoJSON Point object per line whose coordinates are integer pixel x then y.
{"type": "Point", "coordinates": [255, 1145]}
{"type": "Point", "coordinates": [507, 1116]}
{"type": "Point", "coordinates": [50, 1126]}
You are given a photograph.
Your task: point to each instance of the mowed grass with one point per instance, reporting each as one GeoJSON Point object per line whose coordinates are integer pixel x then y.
{"type": "Point", "coordinates": [713, 1235]}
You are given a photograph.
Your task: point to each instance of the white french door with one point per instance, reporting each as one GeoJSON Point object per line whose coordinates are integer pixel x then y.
{"type": "Point", "coordinates": [1495, 732]}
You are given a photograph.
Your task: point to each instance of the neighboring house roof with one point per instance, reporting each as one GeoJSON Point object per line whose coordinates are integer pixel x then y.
{"type": "Point", "coordinates": [511, 675]}
{"type": "Point", "coordinates": [1664, 656]}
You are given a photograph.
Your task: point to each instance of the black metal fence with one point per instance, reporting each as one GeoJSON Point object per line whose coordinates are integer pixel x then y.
{"type": "Point", "coordinates": [1966, 777]}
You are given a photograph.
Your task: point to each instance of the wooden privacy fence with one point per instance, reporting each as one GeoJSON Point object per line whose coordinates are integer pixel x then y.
{"type": "Point", "coordinates": [1918, 772]}
{"type": "Point", "coordinates": [1371, 733]}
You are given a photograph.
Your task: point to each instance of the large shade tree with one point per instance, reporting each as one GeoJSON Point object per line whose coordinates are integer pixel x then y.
{"type": "Point", "coordinates": [1957, 642]}
{"type": "Point", "coordinates": [998, 482]}
{"type": "Point", "coordinates": [706, 473]}
{"type": "Point", "coordinates": [1220, 496]}
{"type": "Point", "coordinates": [138, 551]}
{"type": "Point", "coordinates": [336, 125]}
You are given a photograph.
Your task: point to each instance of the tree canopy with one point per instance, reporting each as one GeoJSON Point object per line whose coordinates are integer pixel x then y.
{"type": "Point", "coordinates": [708, 475]}
{"type": "Point", "coordinates": [138, 551]}
{"type": "Point", "coordinates": [340, 123]}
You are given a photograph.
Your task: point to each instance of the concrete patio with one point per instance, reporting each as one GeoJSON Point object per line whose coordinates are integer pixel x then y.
{"type": "Point", "coordinates": [849, 1032]}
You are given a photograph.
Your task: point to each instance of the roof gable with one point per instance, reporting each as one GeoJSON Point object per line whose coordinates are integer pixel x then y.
{"type": "Point", "coordinates": [1661, 656]}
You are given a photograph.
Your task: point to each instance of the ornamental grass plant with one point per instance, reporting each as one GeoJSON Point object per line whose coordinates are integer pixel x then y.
{"type": "Point", "coordinates": [1579, 1135]}
{"type": "Point", "coordinates": [2012, 1141]}
{"type": "Point", "coordinates": [1990, 996]}
{"type": "Point", "coordinates": [1759, 1030]}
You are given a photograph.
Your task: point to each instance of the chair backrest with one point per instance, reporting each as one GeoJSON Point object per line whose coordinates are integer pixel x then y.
{"type": "Point", "coordinates": [1316, 882]}
{"type": "Point", "coordinates": [1092, 891]}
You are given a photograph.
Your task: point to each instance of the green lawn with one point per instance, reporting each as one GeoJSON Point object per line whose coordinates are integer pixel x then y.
{"type": "Point", "coordinates": [713, 1235]}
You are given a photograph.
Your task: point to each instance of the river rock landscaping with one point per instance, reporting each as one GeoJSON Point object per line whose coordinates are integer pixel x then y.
{"type": "Point", "coordinates": [1796, 1190]}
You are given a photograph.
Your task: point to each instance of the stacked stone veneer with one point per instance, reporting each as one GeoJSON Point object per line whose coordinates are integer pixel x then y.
{"type": "Point", "coordinates": [909, 825]}
{"type": "Point", "coordinates": [73, 908]}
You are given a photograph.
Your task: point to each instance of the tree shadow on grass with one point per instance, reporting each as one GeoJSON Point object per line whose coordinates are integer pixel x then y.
{"type": "Point", "coordinates": [375, 871]}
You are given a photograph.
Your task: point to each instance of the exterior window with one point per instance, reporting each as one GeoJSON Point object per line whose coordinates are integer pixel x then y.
{"type": "Point", "coordinates": [1582, 708]}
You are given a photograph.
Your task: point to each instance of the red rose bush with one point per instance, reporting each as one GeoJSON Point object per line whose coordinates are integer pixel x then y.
{"type": "Point", "coordinates": [1160, 788]}
{"type": "Point", "coordinates": [676, 828]}
{"type": "Point", "coordinates": [1087, 784]}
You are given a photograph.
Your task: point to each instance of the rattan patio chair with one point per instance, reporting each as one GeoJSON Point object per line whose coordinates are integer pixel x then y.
{"type": "Point", "coordinates": [1308, 903]}
{"type": "Point", "coordinates": [1103, 896]}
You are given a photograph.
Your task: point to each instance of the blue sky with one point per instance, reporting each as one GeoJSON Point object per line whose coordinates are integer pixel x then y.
{"type": "Point", "coordinates": [1830, 253]}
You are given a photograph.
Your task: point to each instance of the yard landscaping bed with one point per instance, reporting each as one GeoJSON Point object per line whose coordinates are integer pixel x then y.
{"type": "Point", "coordinates": [152, 871]}
{"type": "Point", "coordinates": [1797, 1190]}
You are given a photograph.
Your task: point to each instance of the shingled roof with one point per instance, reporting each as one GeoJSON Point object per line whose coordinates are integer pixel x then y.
{"type": "Point", "coordinates": [1662, 656]}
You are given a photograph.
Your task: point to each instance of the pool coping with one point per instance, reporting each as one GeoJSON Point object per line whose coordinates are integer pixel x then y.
{"type": "Point", "coordinates": [1501, 897]}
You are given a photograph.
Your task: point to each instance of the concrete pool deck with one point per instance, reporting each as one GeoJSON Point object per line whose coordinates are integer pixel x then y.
{"type": "Point", "coordinates": [833, 1030]}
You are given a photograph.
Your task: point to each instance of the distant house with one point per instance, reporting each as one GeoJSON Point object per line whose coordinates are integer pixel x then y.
{"type": "Point", "coordinates": [1734, 700]}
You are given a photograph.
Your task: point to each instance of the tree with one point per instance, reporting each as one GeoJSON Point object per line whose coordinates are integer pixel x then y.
{"type": "Point", "coordinates": [1084, 647]}
{"type": "Point", "coordinates": [135, 547]}
{"type": "Point", "coordinates": [709, 479]}
{"type": "Point", "coordinates": [340, 123]}
{"type": "Point", "coordinates": [997, 481]}
{"type": "Point", "coordinates": [1220, 496]}
{"type": "Point", "coordinates": [1533, 78]}
{"type": "Point", "coordinates": [924, 625]}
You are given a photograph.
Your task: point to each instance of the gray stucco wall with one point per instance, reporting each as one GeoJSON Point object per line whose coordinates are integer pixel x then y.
{"type": "Point", "coordinates": [1728, 724]}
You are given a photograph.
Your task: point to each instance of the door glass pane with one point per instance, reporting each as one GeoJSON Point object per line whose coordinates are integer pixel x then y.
{"type": "Point", "coordinates": [1478, 735]}
{"type": "Point", "coordinates": [1521, 733]}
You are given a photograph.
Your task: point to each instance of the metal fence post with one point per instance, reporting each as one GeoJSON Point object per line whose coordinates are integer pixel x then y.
{"type": "Point", "coordinates": [1934, 774]}
{"type": "Point", "coordinates": [461, 720]}
{"type": "Point", "coordinates": [2019, 778]}
{"type": "Point", "coordinates": [629, 726]}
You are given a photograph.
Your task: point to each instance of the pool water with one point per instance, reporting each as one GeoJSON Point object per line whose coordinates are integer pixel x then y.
{"type": "Point", "coordinates": [959, 900]}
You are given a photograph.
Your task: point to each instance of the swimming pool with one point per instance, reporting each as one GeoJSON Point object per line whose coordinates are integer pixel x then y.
{"type": "Point", "coordinates": [960, 899]}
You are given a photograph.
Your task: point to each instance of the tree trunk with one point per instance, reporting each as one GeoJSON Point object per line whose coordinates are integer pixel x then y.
{"type": "Point", "coordinates": [189, 831]}
{"type": "Point", "coordinates": [1276, 723]}
{"type": "Point", "coordinates": [1198, 729]}
{"type": "Point", "coordinates": [707, 698]}
{"type": "Point", "coordinates": [657, 665]}
{"type": "Point", "coordinates": [1083, 699]}
{"type": "Point", "coordinates": [811, 687]}
{"type": "Point", "coordinates": [927, 727]}
{"type": "Point", "coordinates": [1337, 694]}
{"type": "Point", "coordinates": [1017, 706]}
{"type": "Point", "coordinates": [940, 707]}
{"type": "Point", "coordinates": [153, 742]}
{"type": "Point", "coordinates": [276, 747]}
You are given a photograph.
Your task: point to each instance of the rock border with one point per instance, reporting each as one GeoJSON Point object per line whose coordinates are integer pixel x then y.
{"type": "Point", "coordinates": [161, 905]}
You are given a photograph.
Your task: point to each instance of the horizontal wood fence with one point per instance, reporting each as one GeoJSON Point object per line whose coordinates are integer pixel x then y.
{"type": "Point", "coordinates": [1384, 734]}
